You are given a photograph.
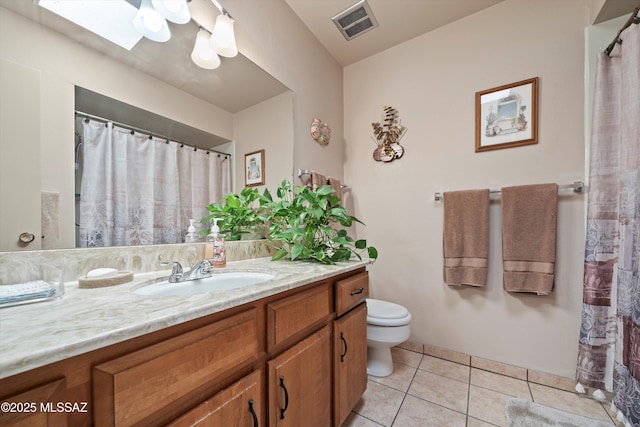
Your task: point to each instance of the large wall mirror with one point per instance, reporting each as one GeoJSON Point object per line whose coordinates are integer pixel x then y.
{"type": "Point", "coordinates": [49, 68]}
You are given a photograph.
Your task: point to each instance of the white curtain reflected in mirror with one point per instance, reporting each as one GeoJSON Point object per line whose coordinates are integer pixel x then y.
{"type": "Point", "coordinates": [138, 190]}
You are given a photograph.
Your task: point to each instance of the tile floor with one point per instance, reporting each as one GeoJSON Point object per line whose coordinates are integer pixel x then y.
{"type": "Point", "coordinates": [430, 391]}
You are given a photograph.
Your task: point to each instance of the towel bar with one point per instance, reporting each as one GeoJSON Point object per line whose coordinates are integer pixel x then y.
{"type": "Point", "coordinates": [302, 172]}
{"type": "Point", "coordinates": [577, 186]}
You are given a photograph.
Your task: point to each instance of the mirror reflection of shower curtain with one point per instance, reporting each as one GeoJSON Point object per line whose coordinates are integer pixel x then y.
{"type": "Point", "coordinates": [139, 191]}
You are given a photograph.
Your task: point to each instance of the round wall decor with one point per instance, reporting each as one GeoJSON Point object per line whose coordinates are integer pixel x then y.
{"type": "Point", "coordinates": [320, 132]}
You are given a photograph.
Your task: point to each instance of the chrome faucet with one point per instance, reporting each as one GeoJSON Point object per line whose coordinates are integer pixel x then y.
{"type": "Point", "coordinates": [199, 271]}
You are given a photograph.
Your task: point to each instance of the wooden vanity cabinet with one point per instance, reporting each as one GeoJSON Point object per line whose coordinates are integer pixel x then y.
{"type": "Point", "coordinates": [152, 385]}
{"type": "Point", "coordinates": [238, 405]}
{"type": "Point", "coordinates": [25, 408]}
{"type": "Point", "coordinates": [297, 358]}
{"type": "Point", "coordinates": [300, 384]}
{"type": "Point", "coordinates": [350, 345]}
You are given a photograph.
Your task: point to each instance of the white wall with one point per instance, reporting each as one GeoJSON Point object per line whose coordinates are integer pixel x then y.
{"type": "Point", "coordinates": [432, 81]}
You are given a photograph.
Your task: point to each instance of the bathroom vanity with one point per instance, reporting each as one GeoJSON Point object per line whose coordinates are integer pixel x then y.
{"type": "Point", "coordinates": [287, 352]}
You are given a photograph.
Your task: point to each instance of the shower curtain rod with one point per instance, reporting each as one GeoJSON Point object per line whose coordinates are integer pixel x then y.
{"type": "Point", "coordinates": [577, 187]}
{"type": "Point", "coordinates": [151, 134]}
{"type": "Point", "coordinates": [633, 19]}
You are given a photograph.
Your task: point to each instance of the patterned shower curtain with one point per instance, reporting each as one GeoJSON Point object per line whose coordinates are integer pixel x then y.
{"type": "Point", "coordinates": [139, 191]}
{"type": "Point", "coordinates": [609, 348]}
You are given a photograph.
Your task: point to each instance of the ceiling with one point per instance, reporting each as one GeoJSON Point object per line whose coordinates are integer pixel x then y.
{"type": "Point", "coordinates": [401, 20]}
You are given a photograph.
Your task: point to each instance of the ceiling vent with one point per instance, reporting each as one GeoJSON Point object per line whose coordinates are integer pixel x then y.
{"type": "Point", "coordinates": [355, 20]}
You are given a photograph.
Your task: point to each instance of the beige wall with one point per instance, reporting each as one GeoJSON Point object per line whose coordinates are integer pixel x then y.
{"type": "Point", "coordinates": [272, 36]}
{"type": "Point", "coordinates": [270, 135]}
{"type": "Point", "coordinates": [432, 81]}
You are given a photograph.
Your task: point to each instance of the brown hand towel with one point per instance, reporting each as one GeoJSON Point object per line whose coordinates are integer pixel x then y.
{"type": "Point", "coordinates": [337, 186]}
{"type": "Point", "coordinates": [529, 217]}
{"type": "Point", "coordinates": [466, 237]}
{"type": "Point", "coordinates": [317, 180]}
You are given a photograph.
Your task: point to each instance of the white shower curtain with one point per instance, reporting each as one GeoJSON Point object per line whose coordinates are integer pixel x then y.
{"type": "Point", "coordinates": [609, 347]}
{"type": "Point", "coordinates": [137, 190]}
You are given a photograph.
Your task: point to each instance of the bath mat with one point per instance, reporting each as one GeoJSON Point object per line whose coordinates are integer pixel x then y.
{"type": "Point", "coordinates": [523, 413]}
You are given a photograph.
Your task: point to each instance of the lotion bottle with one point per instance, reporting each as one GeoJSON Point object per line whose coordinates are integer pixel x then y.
{"type": "Point", "coordinates": [191, 235]}
{"type": "Point", "coordinates": [214, 247]}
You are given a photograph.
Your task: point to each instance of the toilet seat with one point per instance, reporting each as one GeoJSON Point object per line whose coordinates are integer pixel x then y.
{"type": "Point", "coordinates": [385, 313]}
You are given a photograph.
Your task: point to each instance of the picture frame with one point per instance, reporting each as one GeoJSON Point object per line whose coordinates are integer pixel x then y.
{"type": "Point", "coordinates": [507, 116]}
{"type": "Point", "coordinates": [254, 168]}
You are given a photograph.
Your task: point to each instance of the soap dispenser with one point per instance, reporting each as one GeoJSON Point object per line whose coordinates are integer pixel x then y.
{"type": "Point", "coordinates": [214, 248]}
{"type": "Point", "coordinates": [191, 235]}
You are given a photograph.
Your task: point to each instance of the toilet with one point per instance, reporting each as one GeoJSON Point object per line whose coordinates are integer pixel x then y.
{"type": "Point", "coordinates": [387, 326]}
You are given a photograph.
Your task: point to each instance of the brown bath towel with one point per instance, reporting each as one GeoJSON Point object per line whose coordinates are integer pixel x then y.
{"type": "Point", "coordinates": [466, 237]}
{"type": "Point", "coordinates": [529, 218]}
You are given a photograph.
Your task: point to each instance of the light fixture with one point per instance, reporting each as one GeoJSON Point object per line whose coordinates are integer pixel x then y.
{"type": "Point", "coordinates": [223, 38]}
{"type": "Point", "coordinates": [203, 54]}
{"type": "Point", "coordinates": [151, 24]}
{"type": "Point", "coordinates": [175, 11]}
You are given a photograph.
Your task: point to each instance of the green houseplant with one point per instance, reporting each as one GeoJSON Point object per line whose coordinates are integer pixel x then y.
{"type": "Point", "coordinates": [305, 225]}
{"type": "Point", "coordinates": [238, 213]}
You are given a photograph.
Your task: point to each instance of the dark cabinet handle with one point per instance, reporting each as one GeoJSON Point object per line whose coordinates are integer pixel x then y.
{"type": "Point", "coordinates": [359, 291]}
{"type": "Point", "coordinates": [253, 413]}
{"type": "Point", "coordinates": [286, 398]}
{"type": "Point", "coordinates": [345, 347]}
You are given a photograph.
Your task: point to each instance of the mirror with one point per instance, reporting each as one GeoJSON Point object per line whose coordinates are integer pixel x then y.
{"type": "Point", "coordinates": [59, 67]}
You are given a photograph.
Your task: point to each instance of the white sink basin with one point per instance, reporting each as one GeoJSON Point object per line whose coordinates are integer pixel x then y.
{"type": "Point", "coordinates": [216, 282]}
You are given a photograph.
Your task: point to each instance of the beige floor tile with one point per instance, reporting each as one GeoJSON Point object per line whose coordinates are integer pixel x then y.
{"type": "Point", "coordinates": [416, 412]}
{"type": "Point", "coordinates": [407, 357]}
{"type": "Point", "coordinates": [570, 402]}
{"type": "Point", "coordinates": [440, 390]}
{"type": "Point", "coordinates": [445, 368]}
{"type": "Point", "coordinates": [451, 355]}
{"type": "Point", "coordinates": [413, 346]}
{"type": "Point", "coordinates": [550, 380]}
{"type": "Point", "coordinates": [379, 403]}
{"type": "Point", "coordinates": [488, 405]}
{"type": "Point", "coordinates": [355, 420]}
{"type": "Point", "coordinates": [400, 378]}
{"type": "Point", "coordinates": [500, 383]}
{"type": "Point", "coordinates": [499, 368]}
{"type": "Point", "coordinates": [474, 422]}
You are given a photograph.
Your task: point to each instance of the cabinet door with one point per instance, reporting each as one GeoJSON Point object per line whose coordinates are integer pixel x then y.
{"type": "Point", "coordinates": [300, 384]}
{"type": "Point", "coordinates": [349, 361]}
{"type": "Point", "coordinates": [238, 405]}
{"type": "Point", "coordinates": [158, 383]}
{"type": "Point", "coordinates": [36, 407]}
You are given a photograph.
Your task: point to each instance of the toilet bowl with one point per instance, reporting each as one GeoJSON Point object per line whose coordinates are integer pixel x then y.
{"type": "Point", "coordinates": [388, 325]}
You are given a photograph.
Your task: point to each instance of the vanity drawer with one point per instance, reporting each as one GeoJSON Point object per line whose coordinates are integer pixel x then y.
{"type": "Point", "coordinates": [351, 292]}
{"type": "Point", "coordinates": [290, 316]}
{"type": "Point", "coordinates": [139, 387]}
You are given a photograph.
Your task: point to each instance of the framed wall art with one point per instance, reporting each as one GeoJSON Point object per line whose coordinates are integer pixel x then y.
{"type": "Point", "coordinates": [507, 116]}
{"type": "Point", "coordinates": [254, 168]}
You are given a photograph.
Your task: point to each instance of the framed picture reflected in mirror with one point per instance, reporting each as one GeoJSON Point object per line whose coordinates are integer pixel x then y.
{"type": "Point", "coordinates": [254, 168]}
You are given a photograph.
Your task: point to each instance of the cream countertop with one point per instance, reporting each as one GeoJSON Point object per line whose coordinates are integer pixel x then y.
{"type": "Point", "coordinates": [83, 320]}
